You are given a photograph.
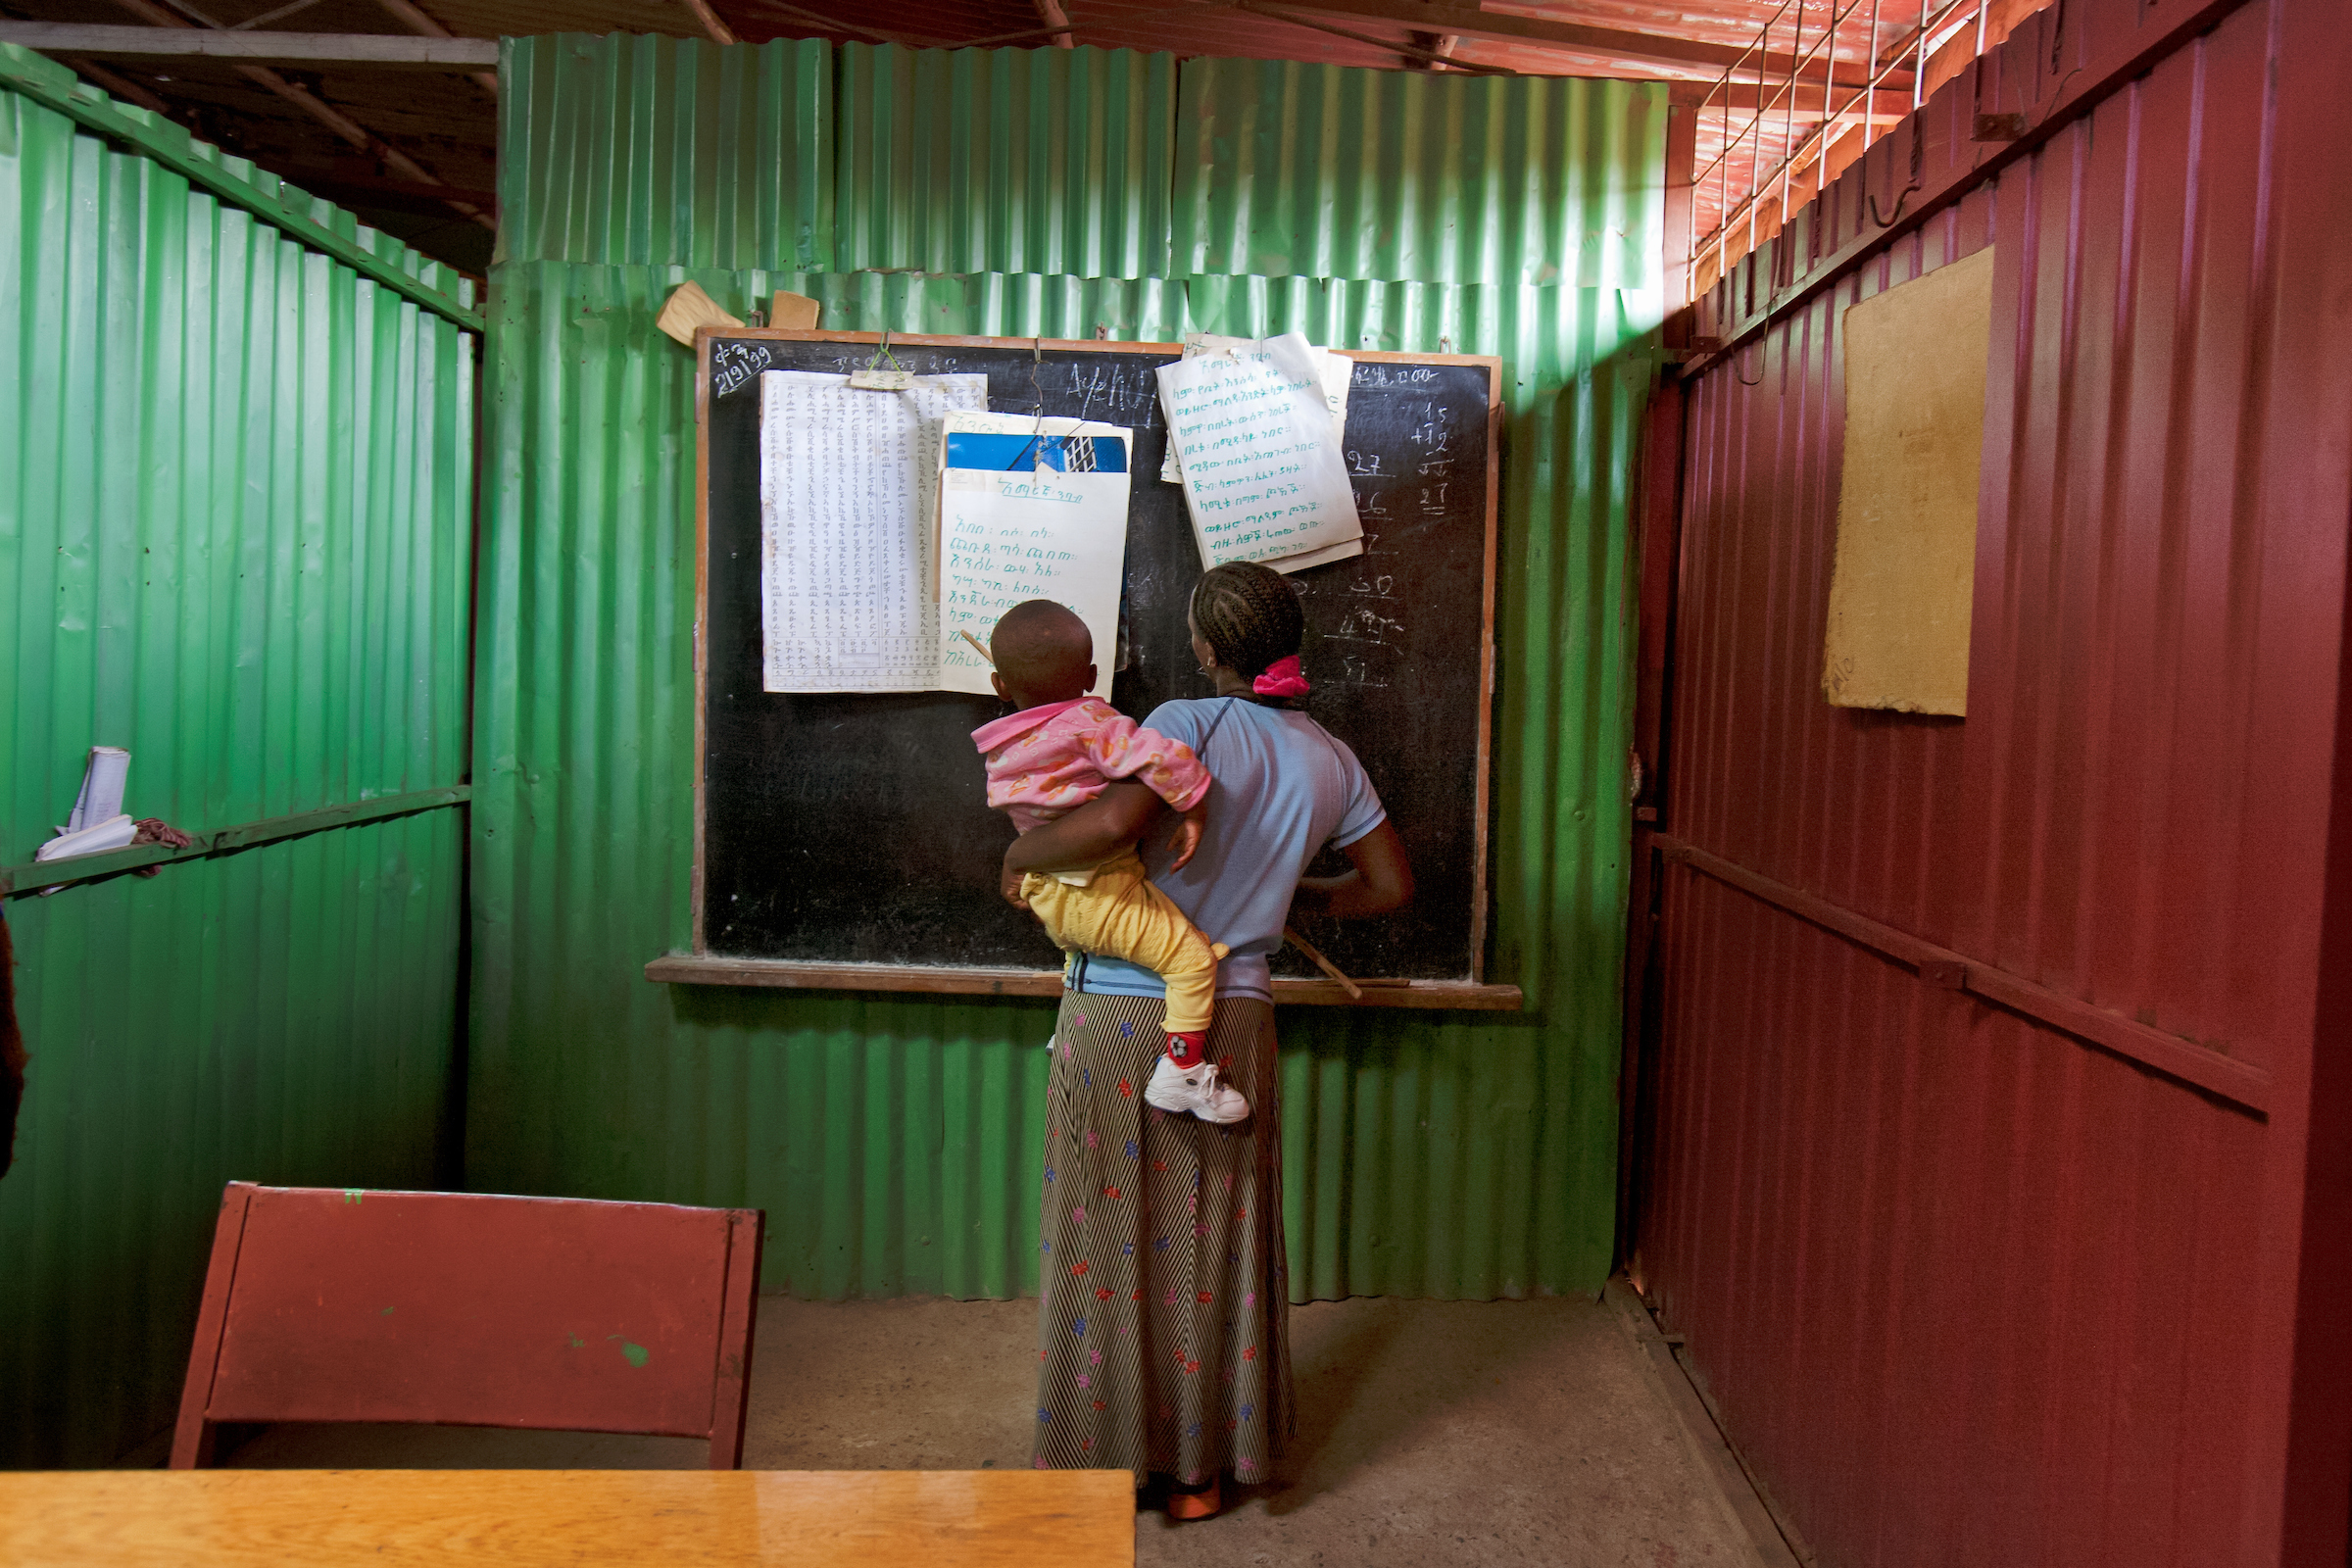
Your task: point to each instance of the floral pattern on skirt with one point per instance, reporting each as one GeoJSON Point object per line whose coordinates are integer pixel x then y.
{"type": "Point", "coordinates": [1163, 1323]}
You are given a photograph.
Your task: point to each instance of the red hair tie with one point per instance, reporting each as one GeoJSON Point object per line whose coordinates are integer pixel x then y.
{"type": "Point", "coordinates": [1280, 679]}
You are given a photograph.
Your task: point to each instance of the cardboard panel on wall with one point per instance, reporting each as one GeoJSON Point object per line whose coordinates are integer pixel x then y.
{"type": "Point", "coordinates": [1902, 584]}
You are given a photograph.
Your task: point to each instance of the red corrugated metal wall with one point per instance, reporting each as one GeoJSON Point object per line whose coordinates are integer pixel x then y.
{"type": "Point", "coordinates": [1966, 1285]}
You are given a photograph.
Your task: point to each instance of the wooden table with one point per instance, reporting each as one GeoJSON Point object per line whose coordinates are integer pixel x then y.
{"type": "Point", "coordinates": [410, 1518]}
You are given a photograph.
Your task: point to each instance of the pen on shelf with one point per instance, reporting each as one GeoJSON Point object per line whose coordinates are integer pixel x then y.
{"type": "Point", "coordinates": [976, 647]}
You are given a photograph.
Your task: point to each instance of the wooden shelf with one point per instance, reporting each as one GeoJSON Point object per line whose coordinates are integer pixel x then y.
{"type": "Point", "coordinates": [699, 970]}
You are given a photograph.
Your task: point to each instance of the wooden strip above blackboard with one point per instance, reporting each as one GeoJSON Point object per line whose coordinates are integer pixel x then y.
{"type": "Point", "coordinates": [691, 969]}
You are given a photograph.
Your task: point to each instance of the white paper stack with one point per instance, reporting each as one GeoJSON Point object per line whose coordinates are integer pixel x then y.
{"type": "Point", "coordinates": [1335, 372]}
{"type": "Point", "coordinates": [101, 781]}
{"type": "Point", "coordinates": [1259, 454]}
{"type": "Point", "coordinates": [115, 833]}
{"type": "Point", "coordinates": [97, 824]}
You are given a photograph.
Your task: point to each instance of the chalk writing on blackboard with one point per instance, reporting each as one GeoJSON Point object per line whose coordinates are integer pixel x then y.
{"type": "Point", "coordinates": [1366, 625]}
{"type": "Point", "coordinates": [1125, 395]}
{"type": "Point", "coordinates": [733, 365]}
{"type": "Point", "coordinates": [1376, 374]}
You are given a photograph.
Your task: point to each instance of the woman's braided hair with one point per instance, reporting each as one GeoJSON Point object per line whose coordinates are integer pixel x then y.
{"type": "Point", "coordinates": [1250, 618]}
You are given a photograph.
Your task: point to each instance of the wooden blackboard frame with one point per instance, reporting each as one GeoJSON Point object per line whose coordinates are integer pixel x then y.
{"type": "Point", "coordinates": [700, 966]}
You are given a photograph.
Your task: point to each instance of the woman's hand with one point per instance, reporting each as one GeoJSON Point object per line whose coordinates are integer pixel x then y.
{"type": "Point", "coordinates": [1188, 835]}
{"type": "Point", "coordinates": [1091, 834]}
{"type": "Point", "coordinates": [1381, 879]}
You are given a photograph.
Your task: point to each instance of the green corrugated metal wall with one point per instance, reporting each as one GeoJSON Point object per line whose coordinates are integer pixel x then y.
{"type": "Point", "coordinates": [623, 149]}
{"type": "Point", "coordinates": [890, 1140]}
{"type": "Point", "coordinates": [235, 514]}
{"type": "Point", "coordinates": [1077, 162]}
{"type": "Point", "coordinates": [1044, 161]}
{"type": "Point", "coordinates": [1288, 170]}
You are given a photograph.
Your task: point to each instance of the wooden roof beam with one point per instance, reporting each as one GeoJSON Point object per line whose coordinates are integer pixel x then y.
{"type": "Point", "coordinates": [418, 20]}
{"type": "Point", "coordinates": [167, 24]}
{"type": "Point", "coordinates": [1647, 48]}
{"type": "Point", "coordinates": [719, 32]}
{"type": "Point", "coordinates": [1414, 56]}
{"type": "Point", "coordinates": [317, 51]}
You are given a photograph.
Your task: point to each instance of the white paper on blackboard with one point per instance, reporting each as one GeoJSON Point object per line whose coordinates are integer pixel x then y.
{"type": "Point", "coordinates": [1038, 512]}
{"type": "Point", "coordinates": [1264, 480]}
{"type": "Point", "coordinates": [1335, 373]}
{"type": "Point", "coordinates": [847, 493]}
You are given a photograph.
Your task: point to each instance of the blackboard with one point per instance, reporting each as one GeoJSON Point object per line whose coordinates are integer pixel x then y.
{"type": "Point", "coordinates": [845, 840]}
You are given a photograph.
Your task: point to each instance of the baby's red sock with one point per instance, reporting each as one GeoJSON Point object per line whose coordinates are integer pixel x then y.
{"type": "Point", "coordinates": [1188, 1049]}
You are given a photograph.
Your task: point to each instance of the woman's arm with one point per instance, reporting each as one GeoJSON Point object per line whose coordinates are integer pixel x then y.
{"type": "Point", "coordinates": [1381, 879]}
{"type": "Point", "coordinates": [1121, 815]}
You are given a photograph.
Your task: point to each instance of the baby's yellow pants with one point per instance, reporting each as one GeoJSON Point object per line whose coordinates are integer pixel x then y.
{"type": "Point", "coordinates": [1120, 914]}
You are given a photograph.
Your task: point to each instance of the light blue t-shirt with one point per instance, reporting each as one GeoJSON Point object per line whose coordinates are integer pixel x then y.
{"type": "Point", "coordinates": [1284, 788]}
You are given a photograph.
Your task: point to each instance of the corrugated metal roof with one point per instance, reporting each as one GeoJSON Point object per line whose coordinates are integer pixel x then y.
{"type": "Point", "coordinates": [235, 517]}
{"type": "Point", "coordinates": [238, 180]}
{"type": "Point", "coordinates": [1288, 169]}
{"type": "Point", "coordinates": [1966, 1288]}
{"type": "Point", "coordinates": [1042, 161]}
{"type": "Point", "coordinates": [626, 149]}
{"type": "Point", "coordinates": [891, 1141]}
{"type": "Point", "coordinates": [448, 123]}
{"type": "Point", "coordinates": [520, 19]}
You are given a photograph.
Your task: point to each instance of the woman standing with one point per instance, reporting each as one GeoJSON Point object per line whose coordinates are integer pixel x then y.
{"type": "Point", "coordinates": [1163, 1342]}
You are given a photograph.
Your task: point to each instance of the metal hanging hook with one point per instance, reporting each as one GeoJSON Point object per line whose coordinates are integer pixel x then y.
{"type": "Point", "coordinates": [1763, 353]}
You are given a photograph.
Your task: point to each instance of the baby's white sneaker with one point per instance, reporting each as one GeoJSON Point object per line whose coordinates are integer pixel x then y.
{"type": "Point", "coordinates": [1197, 1088]}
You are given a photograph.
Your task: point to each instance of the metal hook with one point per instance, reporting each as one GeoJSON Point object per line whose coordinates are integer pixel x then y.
{"type": "Point", "coordinates": [1892, 218]}
{"type": "Point", "coordinates": [1035, 452]}
{"type": "Point", "coordinates": [1919, 158]}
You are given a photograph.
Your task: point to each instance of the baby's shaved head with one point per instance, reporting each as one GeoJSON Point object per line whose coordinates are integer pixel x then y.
{"type": "Point", "coordinates": [1043, 652]}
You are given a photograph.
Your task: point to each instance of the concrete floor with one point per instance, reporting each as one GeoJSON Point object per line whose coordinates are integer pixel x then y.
{"type": "Point", "coordinates": [1429, 1433]}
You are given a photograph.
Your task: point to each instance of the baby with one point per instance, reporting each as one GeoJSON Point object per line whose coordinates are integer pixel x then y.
{"type": "Point", "coordinates": [1053, 757]}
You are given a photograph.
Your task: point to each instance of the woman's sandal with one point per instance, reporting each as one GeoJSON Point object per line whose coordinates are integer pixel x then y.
{"type": "Point", "coordinates": [1202, 1505]}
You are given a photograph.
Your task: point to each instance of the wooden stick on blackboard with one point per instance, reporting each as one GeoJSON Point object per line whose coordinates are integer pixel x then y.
{"type": "Point", "coordinates": [1321, 962]}
{"type": "Point", "coordinates": [976, 647]}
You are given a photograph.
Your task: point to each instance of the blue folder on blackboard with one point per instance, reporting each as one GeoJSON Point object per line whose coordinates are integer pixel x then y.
{"type": "Point", "coordinates": [1063, 454]}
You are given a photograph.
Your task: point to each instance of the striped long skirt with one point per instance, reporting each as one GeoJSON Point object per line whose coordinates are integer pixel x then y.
{"type": "Point", "coordinates": [1163, 1328]}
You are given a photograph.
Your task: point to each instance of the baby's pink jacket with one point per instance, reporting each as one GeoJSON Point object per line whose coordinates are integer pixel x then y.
{"type": "Point", "coordinates": [1049, 759]}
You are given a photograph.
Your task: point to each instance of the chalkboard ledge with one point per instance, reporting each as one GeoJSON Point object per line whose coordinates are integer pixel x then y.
{"type": "Point", "coordinates": [702, 969]}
